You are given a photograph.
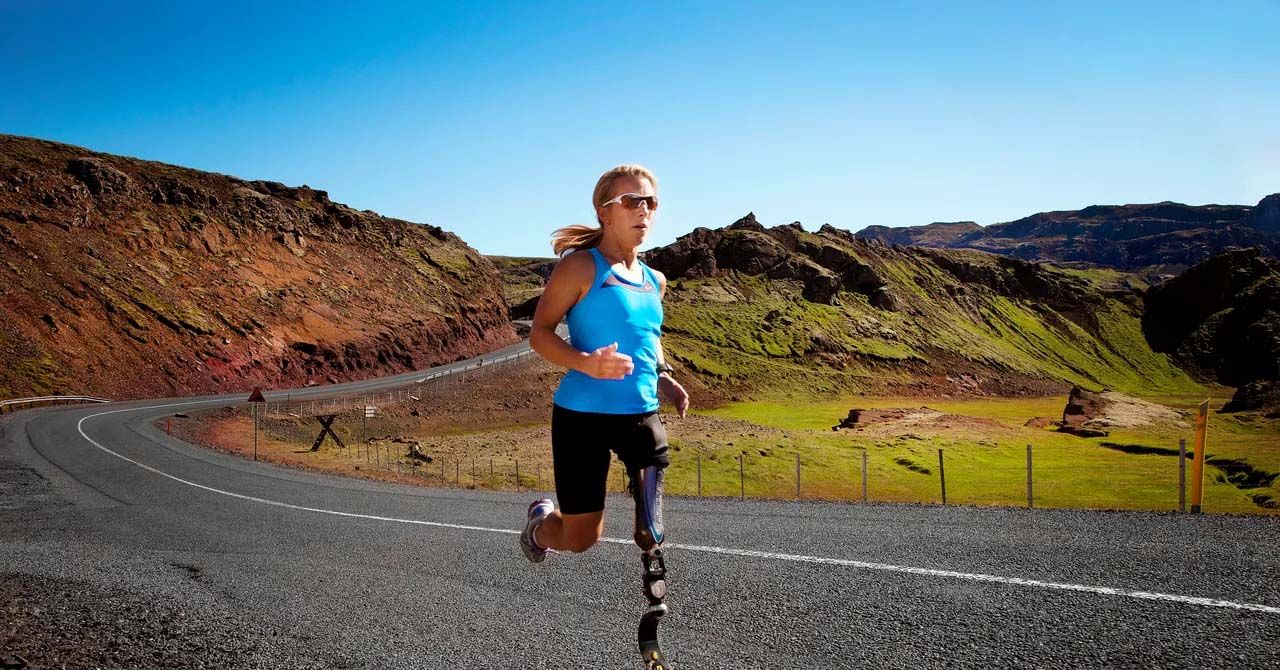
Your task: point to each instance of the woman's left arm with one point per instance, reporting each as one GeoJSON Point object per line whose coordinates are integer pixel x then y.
{"type": "Point", "coordinates": [671, 389]}
{"type": "Point", "coordinates": [668, 387]}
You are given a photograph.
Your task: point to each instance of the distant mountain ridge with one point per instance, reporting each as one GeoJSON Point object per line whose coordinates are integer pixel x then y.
{"type": "Point", "coordinates": [938, 234]}
{"type": "Point", "coordinates": [1168, 236]}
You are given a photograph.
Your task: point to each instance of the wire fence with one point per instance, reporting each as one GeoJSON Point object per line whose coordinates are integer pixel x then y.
{"type": "Point", "coordinates": [949, 478]}
{"type": "Point", "coordinates": [372, 433]}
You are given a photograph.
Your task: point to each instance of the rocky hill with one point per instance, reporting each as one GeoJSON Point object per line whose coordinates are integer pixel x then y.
{"type": "Point", "coordinates": [1164, 237]}
{"type": "Point", "coordinates": [829, 310]}
{"type": "Point", "coordinates": [129, 278]}
{"type": "Point", "coordinates": [522, 281]}
{"type": "Point", "coordinates": [1221, 320]}
{"type": "Point", "coordinates": [844, 309]}
{"type": "Point", "coordinates": [782, 309]}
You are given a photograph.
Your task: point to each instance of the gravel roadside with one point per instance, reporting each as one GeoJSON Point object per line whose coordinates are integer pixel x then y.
{"type": "Point", "coordinates": [61, 623]}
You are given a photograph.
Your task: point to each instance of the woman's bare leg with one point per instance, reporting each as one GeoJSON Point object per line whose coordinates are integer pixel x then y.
{"type": "Point", "coordinates": [570, 532]}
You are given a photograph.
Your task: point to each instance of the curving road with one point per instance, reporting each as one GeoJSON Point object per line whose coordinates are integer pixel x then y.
{"type": "Point", "coordinates": [211, 560]}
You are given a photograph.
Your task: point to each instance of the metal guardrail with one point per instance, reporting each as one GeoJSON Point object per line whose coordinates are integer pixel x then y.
{"type": "Point", "coordinates": [6, 404]}
{"type": "Point", "coordinates": [289, 421]}
{"type": "Point", "coordinates": [350, 400]}
{"type": "Point", "coordinates": [343, 401]}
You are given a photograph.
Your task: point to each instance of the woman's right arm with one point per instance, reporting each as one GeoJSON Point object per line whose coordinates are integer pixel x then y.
{"type": "Point", "coordinates": [571, 280]}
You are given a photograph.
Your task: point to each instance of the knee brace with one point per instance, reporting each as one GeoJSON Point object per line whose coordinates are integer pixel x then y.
{"type": "Point", "coordinates": [646, 489]}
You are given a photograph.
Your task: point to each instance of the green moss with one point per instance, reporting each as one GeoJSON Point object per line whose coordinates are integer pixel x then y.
{"type": "Point", "coordinates": [144, 222]}
{"type": "Point", "coordinates": [41, 374]}
{"type": "Point", "coordinates": [178, 317]}
{"type": "Point", "coordinates": [508, 262]}
{"type": "Point", "coordinates": [771, 319]}
{"type": "Point", "coordinates": [755, 322]}
{"type": "Point", "coordinates": [1100, 277]}
{"type": "Point", "coordinates": [115, 304]}
{"type": "Point", "coordinates": [429, 261]}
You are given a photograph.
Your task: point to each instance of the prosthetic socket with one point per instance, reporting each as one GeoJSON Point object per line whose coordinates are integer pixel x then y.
{"type": "Point", "coordinates": [646, 489]}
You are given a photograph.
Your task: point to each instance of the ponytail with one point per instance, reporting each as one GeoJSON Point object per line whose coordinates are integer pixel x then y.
{"type": "Point", "coordinates": [575, 237]}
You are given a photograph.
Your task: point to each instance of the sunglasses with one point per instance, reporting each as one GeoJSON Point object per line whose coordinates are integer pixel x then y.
{"type": "Point", "coordinates": [633, 200]}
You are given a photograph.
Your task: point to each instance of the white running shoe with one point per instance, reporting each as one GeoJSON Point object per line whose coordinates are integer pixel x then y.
{"type": "Point", "coordinates": [538, 510]}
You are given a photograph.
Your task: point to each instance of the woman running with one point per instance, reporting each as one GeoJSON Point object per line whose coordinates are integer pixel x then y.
{"type": "Point", "coordinates": [608, 400]}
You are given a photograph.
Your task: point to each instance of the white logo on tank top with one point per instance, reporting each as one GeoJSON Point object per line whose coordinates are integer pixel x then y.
{"type": "Point", "coordinates": [612, 280]}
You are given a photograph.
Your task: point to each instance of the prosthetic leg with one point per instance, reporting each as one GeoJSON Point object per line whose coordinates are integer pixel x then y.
{"type": "Point", "coordinates": [646, 490]}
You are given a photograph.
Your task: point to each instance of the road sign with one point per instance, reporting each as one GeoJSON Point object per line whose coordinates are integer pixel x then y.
{"type": "Point", "coordinates": [370, 411]}
{"type": "Point", "coordinates": [255, 399]}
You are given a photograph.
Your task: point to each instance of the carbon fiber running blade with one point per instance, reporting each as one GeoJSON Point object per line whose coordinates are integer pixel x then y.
{"type": "Point", "coordinates": [650, 651]}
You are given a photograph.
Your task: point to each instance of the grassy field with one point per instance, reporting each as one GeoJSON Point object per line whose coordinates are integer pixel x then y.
{"type": "Point", "coordinates": [987, 465]}
{"type": "Point", "coordinates": [983, 443]}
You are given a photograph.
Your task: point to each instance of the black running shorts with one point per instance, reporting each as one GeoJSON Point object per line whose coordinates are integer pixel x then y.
{"type": "Point", "coordinates": [580, 446]}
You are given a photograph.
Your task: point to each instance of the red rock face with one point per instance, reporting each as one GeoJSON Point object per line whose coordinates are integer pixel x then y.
{"type": "Point", "coordinates": [128, 278]}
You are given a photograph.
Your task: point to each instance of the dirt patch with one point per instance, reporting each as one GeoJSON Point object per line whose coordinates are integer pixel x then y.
{"type": "Point", "coordinates": [1040, 422]}
{"type": "Point", "coordinates": [899, 420]}
{"type": "Point", "coordinates": [482, 431]}
{"type": "Point", "coordinates": [1123, 411]}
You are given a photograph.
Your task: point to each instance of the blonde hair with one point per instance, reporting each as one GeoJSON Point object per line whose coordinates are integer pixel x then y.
{"type": "Point", "coordinates": [575, 237]}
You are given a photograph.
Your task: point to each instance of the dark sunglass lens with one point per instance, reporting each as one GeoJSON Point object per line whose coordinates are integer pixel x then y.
{"type": "Point", "coordinates": [633, 201]}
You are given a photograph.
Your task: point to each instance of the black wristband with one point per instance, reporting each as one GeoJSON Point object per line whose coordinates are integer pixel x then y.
{"type": "Point", "coordinates": [665, 367]}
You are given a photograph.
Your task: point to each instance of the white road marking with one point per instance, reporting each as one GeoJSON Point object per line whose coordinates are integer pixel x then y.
{"type": "Point", "coordinates": [927, 572]}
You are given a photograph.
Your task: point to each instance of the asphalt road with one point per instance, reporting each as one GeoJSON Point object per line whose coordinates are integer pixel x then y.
{"type": "Point", "coordinates": [112, 533]}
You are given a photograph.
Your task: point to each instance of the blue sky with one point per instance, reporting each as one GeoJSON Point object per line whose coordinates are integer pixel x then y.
{"type": "Point", "coordinates": [494, 120]}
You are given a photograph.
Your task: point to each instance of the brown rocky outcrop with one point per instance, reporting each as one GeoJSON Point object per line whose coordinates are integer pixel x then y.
{"type": "Point", "coordinates": [1266, 216]}
{"type": "Point", "coordinates": [785, 252]}
{"type": "Point", "coordinates": [128, 278]}
{"type": "Point", "coordinates": [525, 309]}
{"type": "Point", "coordinates": [1257, 395]}
{"type": "Point", "coordinates": [896, 420]}
{"type": "Point", "coordinates": [1082, 408]}
{"type": "Point", "coordinates": [857, 417]}
{"type": "Point", "coordinates": [834, 260]}
{"type": "Point", "coordinates": [1221, 319]}
{"type": "Point", "coordinates": [1094, 413]}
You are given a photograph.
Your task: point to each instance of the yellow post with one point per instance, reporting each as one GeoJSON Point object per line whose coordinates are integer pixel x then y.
{"type": "Point", "coordinates": [1197, 465]}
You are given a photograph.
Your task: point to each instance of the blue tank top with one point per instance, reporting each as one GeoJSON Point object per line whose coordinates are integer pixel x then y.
{"type": "Point", "coordinates": [615, 309]}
